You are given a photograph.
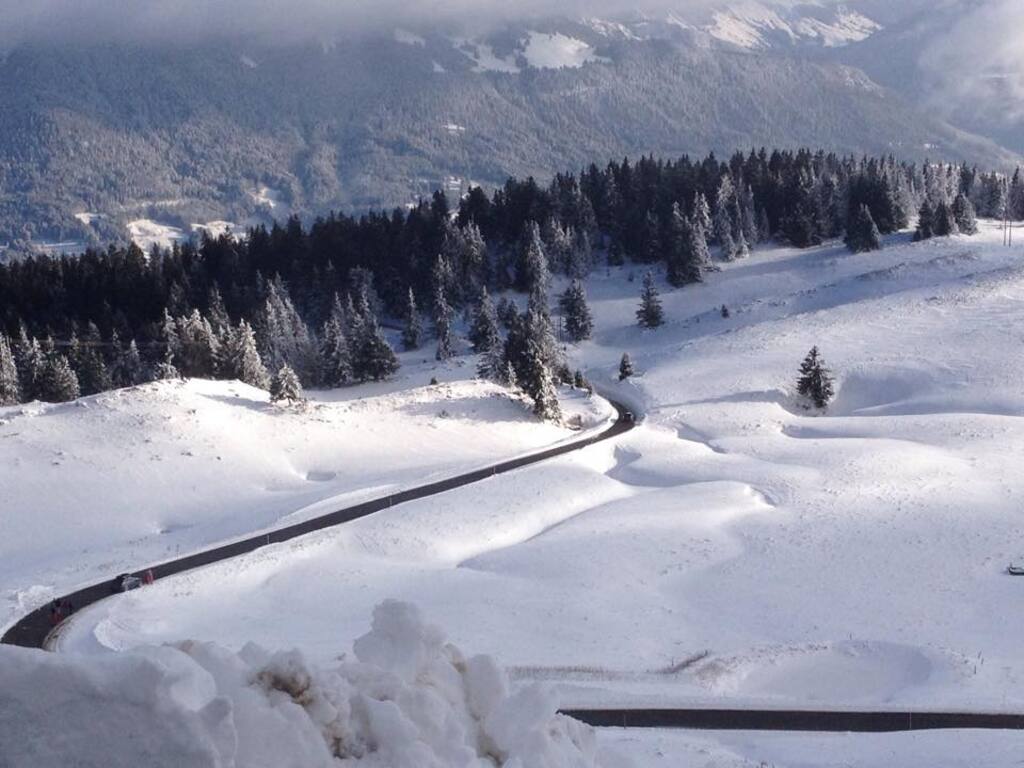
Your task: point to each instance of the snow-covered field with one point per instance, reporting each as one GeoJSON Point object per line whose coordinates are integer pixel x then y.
{"type": "Point", "coordinates": [112, 482]}
{"type": "Point", "coordinates": [734, 550]}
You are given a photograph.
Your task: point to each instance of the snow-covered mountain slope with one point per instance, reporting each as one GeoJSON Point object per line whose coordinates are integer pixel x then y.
{"type": "Point", "coordinates": [736, 549]}
{"type": "Point", "coordinates": [112, 482]}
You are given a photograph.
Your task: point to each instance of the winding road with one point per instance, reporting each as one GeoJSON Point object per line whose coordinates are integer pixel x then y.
{"type": "Point", "coordinates": [33, 630]}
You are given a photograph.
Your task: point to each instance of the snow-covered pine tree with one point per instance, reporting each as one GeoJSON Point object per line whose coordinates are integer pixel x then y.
{"type": "Point", "coordinates": [412, 332]}
{"type": "Point", "coordinates": [93, 375]}
{"type": "Point", "coordinates": [545, 398]}
{"type": "Point", "coordinates": [650, 313]}
{"type": "Point", "coordinates": [372, 356]}
{"type": "Point", "coordinates": [964, 215]}
{"type": "Point", "coordinates": [129, 367]}
{"type": "Point", "coordinates": [625, 367]}
{"type": "Point", "coordinates": [241, 358]}
{"type": "Point", "coordinates": [943, 224]}
{"type": "Point", "coordinates": [281, 333]}
{"type": "Point", "coordinates": [764, 226]}
{"type": "Point", "coordinates": [748, 216]}
{"type": "Point", "coordinates": [335, 353]}
{"type": "Point", "coordinates": [701, 216]}
{"type": "Point", "coordinates": [10, 391]}
{"type": "Point", "coordinates": [578, 322]}
{"type": "Point", "coordinates": [493, 365]}
{"type": "Point", "coordinates": [863, 235]}
{"type": "Point", "coordinates": [198, 348]}
{"type": "Point", "coordinates": [533, 274]}
{"type": "Point", "coordinates": [507, 312]}
{"type": "Point", "coordinates": [58, 383]}
{"type": "Point", "coordinates": [30, 361]}
{"type": "Point", "coordinates": [925, 221]}
{"type": "Point", "coordinates": [285, 386]}
{"type": "Point", "coordinates": [218, 316]}
{"type": "Point", "coordinates": [483, 331]}
{"type": "Point", "coordinates": [724, 226]}
{"type": "Point", "coordinates": [557, 244]}
{"type": "Point", "coordinates": [582, 255]}
{"type": "Point", "coordinates": [815, 381]}
{"type": "Point", "coordinates": [442, 324]}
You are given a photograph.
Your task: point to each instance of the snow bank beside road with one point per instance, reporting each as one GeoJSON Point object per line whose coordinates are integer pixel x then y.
{"type": "Point", "coordinates": [409, 699]}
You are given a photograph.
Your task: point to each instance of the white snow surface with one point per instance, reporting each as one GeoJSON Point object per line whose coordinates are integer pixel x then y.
{"type": "Point", "coordinates": [408, 699]}
{"type": "Point", "coordinates": [146, 233]}
{"type": "Point", "coordinates": [735, 549]}
{"type": "Point", "coordinates": [137, 476]}
{"type": "Point", "coordinates": [557, 51]}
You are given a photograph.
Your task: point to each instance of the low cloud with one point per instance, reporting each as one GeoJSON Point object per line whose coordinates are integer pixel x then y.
{"type": "Point", "coordinates": [147, 20]}
{"type": "Point", "coordinates": [979, 62]}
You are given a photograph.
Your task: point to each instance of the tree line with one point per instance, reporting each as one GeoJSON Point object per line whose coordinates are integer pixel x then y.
{"type": "Point", "coordinates": [314, 299]}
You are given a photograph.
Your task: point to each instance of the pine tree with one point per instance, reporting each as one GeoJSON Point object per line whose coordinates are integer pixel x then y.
{"type": "Point", "coordinates": [93, 376]}
{"type": "Point", "coordinates": [625, 367]}
{"type": "Point", "coordinates": [30, 362]}
{"type": "Point", "coordinates": [10, 391]}
{"type": "Point", "coordinates": [925, 222]}
{"type": "Point", "coordinates": [701, 217]}
{"type": "Point", "coordinates": [943, 224]}
{"type": "Point", "coordinates": [218, 316]}
{"type": "Point", "coordinates": [58, 383]}
{"type": "Point", "coordinates": [493, 366]}
{"type": "Point", "coordinates": [545, 397]}
{"type": "Point", "coordinates": [578, 322]}
{"type": "Point", "coordinates": [412, 333]}
{"type": "Point", "coordinates": [964, 215]}
{"type": "Point", "coordinates": [241, 359]}
{"type": "Point", "coordinates": [650, 314]}
{"type": "Point", "coordinates": [724, 225]}
{"type": "Point", "coordinates": [507, 312]}
{"type": "Point", "coordinates": [282, 335]}
{"type": "Point", "coordinates": [372, 356]}
{"type": "Point", "coordinates": [483, 331]}
{"type": "Point", "coordinates": [863, 235]}
{"type": "Point", "coordinates": [442, 324]}
{"type": "Point", "coordinates": [198, 348]}
{"type": "Point", "coordinates": [335, 353]}
{"type": "Point", "coordinates": [285, 386]}
{"type": "Point", "coordinates": [815, 380]}
{"type": "Point", "coordinates": [129, 369]}
{"type": "Point", "coordinates": [535, 276]}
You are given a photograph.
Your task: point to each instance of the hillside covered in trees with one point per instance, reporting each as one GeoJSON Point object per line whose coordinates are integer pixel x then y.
{"type": "Point", "coordinates": [315, 299]}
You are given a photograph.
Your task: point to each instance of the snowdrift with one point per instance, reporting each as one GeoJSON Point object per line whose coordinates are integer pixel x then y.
{"type": "Point", "coordinates": [408, 699]}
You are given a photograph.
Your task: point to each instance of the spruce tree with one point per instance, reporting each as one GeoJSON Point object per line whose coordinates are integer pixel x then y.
{"type": "Point", "coordinates": [650, 313]}
{"type": "Point", "coordinates": [372, 356]}
{"type": "Point", "coordinates": [285, 386]}
{"type": "Point", "coordinates": [863, 235]}
{"type": "Point", "coordinates": [130, 370]}
{"type": "Point", "coordinates": [545, 397]}
{"type": "Point", "coordinates": [964, 215]}
{"type": "Point", "coordinates": [483, 331]}
{"type": "Point", "coordinates": [944, 224]}
{"type": "Point", "coordinates": [625, 367]}
{"type": "Point", "coordinates": [241, 358]}
{"type": "Point", "coordinates": [925, 222]}
{"type": "Point", "coordinates": [93, 376]}
{"type": "Point", "coordinates": [10, 391]}
{"type": "Point", "coordinates": [493, 365]}
{"type": "Point", "coordinates": [578, 322]}
{"type": "Point", "coordinates": [335, 353]}
{"type": "Point", "coordinates": [58, 384]}
{"type": "Point", "coordinates": [30, 361]}
{"type": "Point", "coordinates": [442, 324]}
{"type": "Point", "coordinates": [815, 380]}
{"type": "Point", "coordinates": [412, 333]}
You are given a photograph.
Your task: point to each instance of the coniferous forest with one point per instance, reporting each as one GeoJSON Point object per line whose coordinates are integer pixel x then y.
{"type": "Point", "coordinates": [316, 300]}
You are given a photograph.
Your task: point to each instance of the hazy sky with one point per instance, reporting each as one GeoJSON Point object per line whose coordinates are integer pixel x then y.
{"type": "Point", "coordinates": [147, 19]}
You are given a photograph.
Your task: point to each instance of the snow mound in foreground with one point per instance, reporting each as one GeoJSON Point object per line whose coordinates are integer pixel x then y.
{"type": "Point", "coordinates": [410, 699]}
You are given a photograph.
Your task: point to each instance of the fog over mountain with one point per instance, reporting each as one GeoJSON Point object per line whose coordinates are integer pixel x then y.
{"type": "Point", "coordinates": [153, 120]}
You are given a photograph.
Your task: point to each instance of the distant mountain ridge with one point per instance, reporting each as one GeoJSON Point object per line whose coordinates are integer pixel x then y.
{"type": "Point", "coordinates": [100, 141]}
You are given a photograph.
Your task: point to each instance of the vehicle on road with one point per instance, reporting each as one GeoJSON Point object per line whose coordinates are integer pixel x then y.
{"type": "Point", "coordinates": [629, 417]}
{"type": "Point", "coordinates": [1015, 570]}
{"type": "Point", "coordinates": [125, 582]}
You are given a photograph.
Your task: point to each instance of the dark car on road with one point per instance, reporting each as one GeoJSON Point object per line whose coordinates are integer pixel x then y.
{"type": "Point", "coordinates": [125, 582]}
